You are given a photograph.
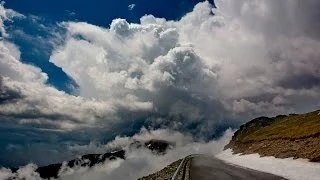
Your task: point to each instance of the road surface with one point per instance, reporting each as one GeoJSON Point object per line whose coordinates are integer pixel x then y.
{"type": "Point", "coordinates": [207, 168]}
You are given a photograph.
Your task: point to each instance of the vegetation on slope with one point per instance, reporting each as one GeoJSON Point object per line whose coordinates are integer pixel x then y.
{"type": "Point", "coordinates": [288, 127]}
{"type": "Point", "coordinates": [283, 136]}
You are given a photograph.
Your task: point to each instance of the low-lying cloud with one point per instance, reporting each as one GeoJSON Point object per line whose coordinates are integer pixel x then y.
{"type": "Point", "coordinates": [139, 162]}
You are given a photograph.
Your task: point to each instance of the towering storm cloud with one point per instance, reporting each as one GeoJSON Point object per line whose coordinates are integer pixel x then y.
{"type": "Point", "coordinates": [214, 68]}
{"type": "Point", "coordinates": [244, 57]}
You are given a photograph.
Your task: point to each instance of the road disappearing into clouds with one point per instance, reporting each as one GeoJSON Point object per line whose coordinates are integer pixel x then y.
{"type": "Point", "coordinates": [205, 168]}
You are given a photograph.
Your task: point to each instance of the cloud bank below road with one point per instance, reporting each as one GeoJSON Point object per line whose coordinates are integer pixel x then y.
{"type": "Point", "coordinates": [139, 162]}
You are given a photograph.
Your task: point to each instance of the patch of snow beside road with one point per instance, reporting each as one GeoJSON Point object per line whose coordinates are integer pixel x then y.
{"type": "Point", "coordinates": [294, 169]}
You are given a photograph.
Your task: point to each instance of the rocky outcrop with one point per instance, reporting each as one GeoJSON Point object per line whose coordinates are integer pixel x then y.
{"type": "Point", "coordinates": [87, 160]}
{"type": "Point", "coordinates": [296, 136]}
{"type": "Point", "coordinates": [307, 148]}
{"type": "Point", "coordinates": [164, 174]}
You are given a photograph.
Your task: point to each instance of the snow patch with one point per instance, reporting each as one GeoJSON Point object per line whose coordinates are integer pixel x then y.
{"type": "Point", "coordinates": [298, 169]}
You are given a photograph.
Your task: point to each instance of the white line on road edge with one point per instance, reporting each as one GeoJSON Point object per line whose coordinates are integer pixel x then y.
{"type": "Point", "coordinates": [179, 167]}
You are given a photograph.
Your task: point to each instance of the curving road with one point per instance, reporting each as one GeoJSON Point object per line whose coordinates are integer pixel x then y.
{"type": "Point", "coordinates": [207, 168]}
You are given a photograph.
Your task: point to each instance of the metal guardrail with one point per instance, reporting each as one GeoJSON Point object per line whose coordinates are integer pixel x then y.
{"type": "Point", "coordinates": [180, 165]}
{"type": "Point", "coordinates": [178, 169]}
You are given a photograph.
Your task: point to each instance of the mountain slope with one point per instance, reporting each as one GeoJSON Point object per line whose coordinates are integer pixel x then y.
{"type": "Point", "coordinates": [282, 136]}
{"type": "Point", "coordinates": [158, 147]}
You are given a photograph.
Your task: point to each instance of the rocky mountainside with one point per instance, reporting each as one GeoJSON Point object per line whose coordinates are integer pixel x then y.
{"type": "Point", "coordinates": [90, 160]}
{"type": "Point", "coordinates": [282, 136]}
{"type": "Point", "coordinates": [87, 160]}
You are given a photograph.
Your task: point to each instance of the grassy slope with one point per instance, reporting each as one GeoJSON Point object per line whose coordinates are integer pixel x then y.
{"type": "Point", "coordinates": [289, 127]}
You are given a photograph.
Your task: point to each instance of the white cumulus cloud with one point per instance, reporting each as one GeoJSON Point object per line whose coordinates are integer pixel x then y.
{"type": "Point", "coordinates": [249, 58]}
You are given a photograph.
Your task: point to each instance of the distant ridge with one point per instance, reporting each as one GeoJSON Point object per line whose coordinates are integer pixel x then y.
{"type": "Point", "coordinates": [89, 160]}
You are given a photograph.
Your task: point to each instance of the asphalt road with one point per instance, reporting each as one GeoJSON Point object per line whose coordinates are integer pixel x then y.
{"type": "Point", "coordinates": [207, 168]}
